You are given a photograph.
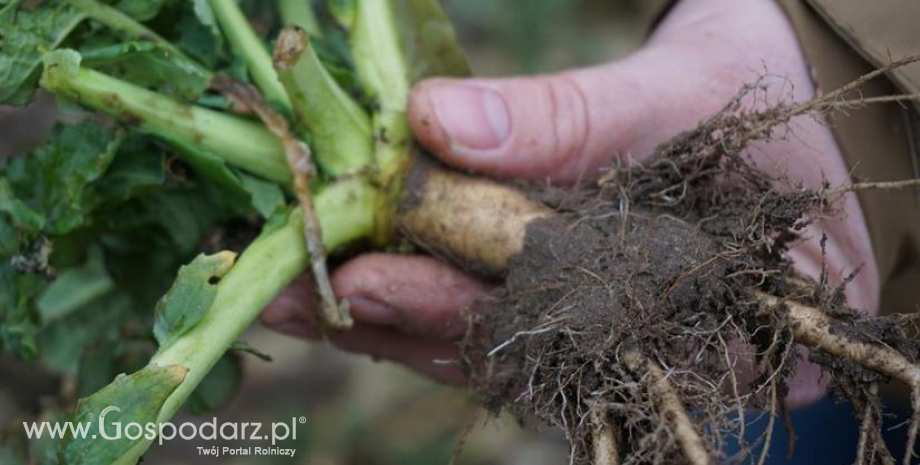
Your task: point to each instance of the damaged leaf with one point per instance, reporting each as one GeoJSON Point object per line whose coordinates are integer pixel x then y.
{"type": "Point", "coordinates": [26, 34]}
{"type": "Point", "coordinates": [190, 297]}
{"type": "Point", "coordinates": [137, 398]}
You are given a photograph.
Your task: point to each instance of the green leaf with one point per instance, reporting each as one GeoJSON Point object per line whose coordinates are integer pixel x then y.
{"type": "Point", "coordinates": [100, 322]}
{"type": "Point", "coordinates": [266, 197]}
{"type": "Point", "coordinates": [139, 167]}
{"type": "Point", "coordinates": [239, 188]}
{"type": "Point", "coordinates": [19, 213]}
{"type": "Point", "coordinates": [18, 330]}
{"type": "Point", "coordinates": [218, 387]}
{"type": "Point", "coordinates": [56, 180]}
{"type": "Point", "coordinates": [152, 65]}
{"type": "Point", "coordinates": [9, 236]}
{"type": "Point", "coordinates": [200, 35]}
{"type": "Point", "coordinates": [428, 39]}
{"type": "Point", "coordinates": [190, 297]}
{"type": "Point", "coordinates": [74, 288]}
{"type": "Point", "coordinates": [138, 397]}
{"type": "Point", "coordinates": [26, 34]}
{"type": "Point", "coordinates": [176, 219]}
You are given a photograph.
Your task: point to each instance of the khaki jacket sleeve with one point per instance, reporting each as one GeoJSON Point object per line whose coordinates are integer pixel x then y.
{"type": "Point", "coordinates": [880, 31]}
{"type": "Point", "coordinates": [845, 39]}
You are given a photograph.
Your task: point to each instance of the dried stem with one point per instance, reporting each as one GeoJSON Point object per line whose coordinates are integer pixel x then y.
{"type": "Point", "coordinates": [670, 406]}
{"type": "Point", "coordinates": [331, 315]}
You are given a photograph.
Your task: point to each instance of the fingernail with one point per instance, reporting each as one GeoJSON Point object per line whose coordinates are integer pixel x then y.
{"type": "Point", "coordinates": [371, 311]}
{"type": "Point", "coordinates": [474, 118]}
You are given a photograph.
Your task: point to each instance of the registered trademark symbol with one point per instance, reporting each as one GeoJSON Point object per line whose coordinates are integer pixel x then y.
{"type": "Point", "coordinates": [303, 420]}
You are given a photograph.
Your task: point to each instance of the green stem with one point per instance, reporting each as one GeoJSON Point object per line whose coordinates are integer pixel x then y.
{"type": "Point", "coordinates": [115, 19]}
{"type": "Point", "coordinates": [268, 265]}
{"type": "Point", "coordinates": [251, 48]}
{"type": "Point", "coordinates": [261, 272]}
{"type": "Point", "coordinates": [341, 130]}
{"type": "Point", "coordinates": [384, 73]}
{"type": "Point", "coordinates": [375, 45]}
{"type": "Point", "coordinates": [299, 13]}
{"type": "Point", "coordinates": [243, 143]}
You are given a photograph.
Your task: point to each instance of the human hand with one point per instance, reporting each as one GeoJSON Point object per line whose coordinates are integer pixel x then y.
{"type": "Point", "coordinates": [569, 125]}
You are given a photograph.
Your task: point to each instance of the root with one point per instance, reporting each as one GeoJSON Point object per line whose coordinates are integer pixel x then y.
{"type": "Point", "coordinates": [862, 186]}
{"type": "Point", "coordinates": [671, 407]}
{"type": "Point", "coordinates": [768, 437]}
{"type": "Point", "coordinates": [603, 438]}
{"type": "Point", "coordinates": [914, 426]}
{"type": "Point", "coordinates": [812, 327]}
{"type": "Point", "coordinates": [332, 315]}
{"type": "Point", "coordinates": [865, 430]}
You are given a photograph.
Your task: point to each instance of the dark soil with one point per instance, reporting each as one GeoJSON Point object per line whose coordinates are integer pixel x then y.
{"type": "Point", "coordinates": [662, 259]}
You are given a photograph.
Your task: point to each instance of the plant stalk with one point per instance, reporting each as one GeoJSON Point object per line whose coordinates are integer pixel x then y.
{"type": "Point", "coordinates": [240, 142]}
{"type": "Point", "coordinates": [341, 130]}
{"type": "Point", "coordinates": [251, 48]}
{"type": "Point", "coordinates": [299, 13]}
{"type": "Point", "coordinates": [261, 272]}
{"type": "Point", "coordinates": [384, 73]}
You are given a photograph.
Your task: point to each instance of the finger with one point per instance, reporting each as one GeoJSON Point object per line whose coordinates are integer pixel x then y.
{"type": "Point", "coordinates": [292, 305]}
{"type": "Point", "coordinates": [413, 294]}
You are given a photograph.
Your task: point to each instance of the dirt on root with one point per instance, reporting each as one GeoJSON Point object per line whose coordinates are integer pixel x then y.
{"type": "Point", "coordinates": [662, 259]}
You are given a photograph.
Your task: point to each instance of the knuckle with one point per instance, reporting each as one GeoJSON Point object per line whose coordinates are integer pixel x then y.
{"type": "Point", "coordinates": [564, 127]}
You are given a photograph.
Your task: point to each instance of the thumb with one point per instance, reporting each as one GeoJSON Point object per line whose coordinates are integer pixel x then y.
{"type": "Point", "coordinates": [524, 127]}
{"type": "Point", "coordinates": [567, 125]}
{"type": "Point", "coordinates": [561, 126]}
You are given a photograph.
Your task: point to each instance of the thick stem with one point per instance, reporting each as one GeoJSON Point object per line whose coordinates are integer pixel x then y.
{"type": "Point", "coordinates": [378, 56]}
{"type": "Point", "coordinates": [243, 143]}
{"type": "Point", "coordinates": [300, 161]}
{"type": "Point", "coordinates": [340, 129]}
{"type": "Point", "coordinates": [384, 73]}
{"type": "Point", "coordinates": [251, 48]}
{"type": "Point", "coordinates": [260, 273]}
{"type": "Point", "coordinates": [299, 13]}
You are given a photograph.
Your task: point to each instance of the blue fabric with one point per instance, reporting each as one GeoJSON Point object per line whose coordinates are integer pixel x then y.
{"type": "Point", "coordinates": [827, 433]}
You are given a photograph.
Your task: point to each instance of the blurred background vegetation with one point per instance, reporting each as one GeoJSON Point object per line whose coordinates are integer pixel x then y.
{"type": "Point", "coordinates": [531, 36]}
{"type": "Point", "coordinates": [360, 411]}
